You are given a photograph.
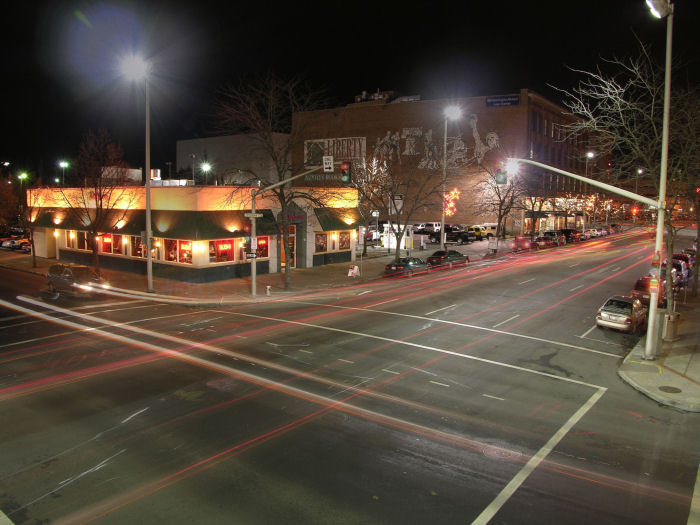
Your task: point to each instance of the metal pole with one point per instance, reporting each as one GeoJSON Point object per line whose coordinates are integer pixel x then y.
{"type": "Point", "coordinates": [149, 234]}
{"type": "Point", "coordinates": [650, 347]}
{"type": "Point", "coordinates": [444, 182]}
{"type": "Point", "coordinates": [253, 235]}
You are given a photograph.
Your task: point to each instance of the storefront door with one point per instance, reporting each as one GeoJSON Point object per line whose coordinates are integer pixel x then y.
{"type": "Point", "coordinates": [292, 248]}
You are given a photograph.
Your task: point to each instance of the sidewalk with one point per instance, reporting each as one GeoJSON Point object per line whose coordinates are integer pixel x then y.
{"type": "Point", "coordinates": [673, 379]}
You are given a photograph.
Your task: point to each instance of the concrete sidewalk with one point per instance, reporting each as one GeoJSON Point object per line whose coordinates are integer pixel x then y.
{"type": "Point", "coordinates": [673, 378]}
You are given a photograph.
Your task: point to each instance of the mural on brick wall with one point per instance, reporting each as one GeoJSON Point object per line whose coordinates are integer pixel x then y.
{"type": "Point", "coordinates": [417, 142]}
{"type": "Point", "coordinates": [408, 142]}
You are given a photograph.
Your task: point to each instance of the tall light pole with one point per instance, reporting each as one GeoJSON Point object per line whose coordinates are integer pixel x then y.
{"type": "Point", "coordinates": [135, 68]}
{"type": "Point", "coordinates": [451, 113]}
{"type": "Point", "coordinates": [192, 155]}
{"type": "Point", "coordinates": [63, 164]}
{"type": "Point", "coordinates": [660, 9]}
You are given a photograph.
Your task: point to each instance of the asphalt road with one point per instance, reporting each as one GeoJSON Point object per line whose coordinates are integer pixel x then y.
{"type": "Point", "coordinates": [463, 396]}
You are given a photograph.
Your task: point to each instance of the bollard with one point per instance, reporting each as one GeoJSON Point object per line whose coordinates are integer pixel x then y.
{"type": "Point", "coordinates": [267, 289]}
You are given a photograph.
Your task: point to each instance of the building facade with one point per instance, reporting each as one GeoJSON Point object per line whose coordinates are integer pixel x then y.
{"type": "Point", "coordinates": [415, 136]}
{"type": "Point", "coordinates": [200, 233]}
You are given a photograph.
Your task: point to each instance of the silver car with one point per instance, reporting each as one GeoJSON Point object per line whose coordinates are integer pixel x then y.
{"type": "Point", "coordinates": [622, 312]}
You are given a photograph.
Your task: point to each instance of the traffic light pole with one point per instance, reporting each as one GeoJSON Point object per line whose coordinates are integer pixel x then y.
{"type": "Point", "coordinates": [651, 338]}
{"type": "Point", "coordinates": [254, 216]}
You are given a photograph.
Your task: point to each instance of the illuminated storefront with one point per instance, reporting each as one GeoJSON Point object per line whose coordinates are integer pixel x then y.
{"type": "Point", "coordinates": [202, 244]}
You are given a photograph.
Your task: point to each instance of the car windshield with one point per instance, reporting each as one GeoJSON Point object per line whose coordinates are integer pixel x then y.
{"type": "Point", "coordinates": [642, 284]}
{"type": "Point", "coordinates": [618, 306]}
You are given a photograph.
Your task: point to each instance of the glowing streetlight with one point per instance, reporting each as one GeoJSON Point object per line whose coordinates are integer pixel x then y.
{"type": "Point", "coordinates": [206, 168]}
{"type": "Point", "coordinates": [451, 113]}
{"type": "Point", "coordinates": [63, 164]}
{"type": "Point", "coordinates": [135, 68]}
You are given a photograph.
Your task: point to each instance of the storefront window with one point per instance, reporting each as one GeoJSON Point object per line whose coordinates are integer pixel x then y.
{"type": "Point", "coordinates": [321, 242]}
{"type": "Point", "coordinates": [136, 247]}
{"type": "Point", "coordinates": [70, 239]}
{"type": "Point", "coordinates": [157, 249]}
{"type": "Point", "coordinates": [117, 244]}
{"type": "Point", "coordinates": [170, 250]}
{"type": "Point", "coordinates": [185, 252]}
{"type": "Point", "coordinates": [82, 244]}
{"type": "Point", "coordinates": [344, 241]}
{"type": "Point", "coordinates": [221, 251]}
{"type": "Point", "coordinates": [106, 243]}
{"type": "Point", "coordinates": [263, 247]}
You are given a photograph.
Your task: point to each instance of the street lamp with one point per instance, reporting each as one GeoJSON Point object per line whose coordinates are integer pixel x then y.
{"type": "Point", "coordinates": [206, 168]}
{"type": "Point", "coordinates": [660, 9]}
{"type": "Point", "coordinates": [63, 165]}
{"type": "Point", "coordinates": [451, 113]}
{"type": "Point", "coordinates": [135, 68]}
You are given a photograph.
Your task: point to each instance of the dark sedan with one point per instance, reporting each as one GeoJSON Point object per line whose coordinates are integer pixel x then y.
{"type": "Point", "coordinates": [405, 266]}
{"type": "Point", "coordinates": [641, 291]}
{"type": "Point", "coordinates": [74, 279]}
{"type": "Point", "coordinates": [447, 259]}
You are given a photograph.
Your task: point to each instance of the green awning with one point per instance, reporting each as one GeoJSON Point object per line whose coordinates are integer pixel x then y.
{"type": "Point", "coordinates": [333, 219]}
{"type": "Point", "coordinates": [535, 214]}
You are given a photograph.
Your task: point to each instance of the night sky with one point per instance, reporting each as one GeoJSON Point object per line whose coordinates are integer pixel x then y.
{"type": "Point", "coordinates": [61, 77]}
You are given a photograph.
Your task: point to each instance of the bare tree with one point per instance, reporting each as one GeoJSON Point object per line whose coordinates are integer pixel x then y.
{"type": "Point", "coordinates": [9, 203]}
{"type": "Point", "coordinates": [102, 200]}
{"type": "Point", "coordinates": [263, 107]}
{"type": "Point", "coordinates": [621, 113]}
{"type": "Point", "coordinates": [397, 192]}
{"type": "Point", "coordinates": [498, 199]}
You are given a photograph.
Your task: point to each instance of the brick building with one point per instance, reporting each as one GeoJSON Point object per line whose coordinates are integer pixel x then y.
{"type": "Point", "coordinates": [410, 133]}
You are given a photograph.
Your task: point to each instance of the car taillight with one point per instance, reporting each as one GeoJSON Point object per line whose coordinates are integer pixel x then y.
{"type": "Point", "coordinates": [598, 315]}
{"type": "Point", "coordinates": [628, 320]}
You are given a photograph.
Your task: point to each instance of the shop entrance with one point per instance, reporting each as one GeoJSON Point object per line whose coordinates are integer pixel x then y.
{"type": "Point", "coordinates": [292, 248]}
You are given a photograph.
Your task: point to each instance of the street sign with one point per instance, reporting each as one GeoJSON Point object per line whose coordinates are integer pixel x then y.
{"type": "Point", "coordinates": [253, 243]}
{"type": "Point", "coordinates": [328, 163]}
{"type": "Point", "coordinates": [250, 255]}
{"type": "Point", "coordinates": [253, 215]}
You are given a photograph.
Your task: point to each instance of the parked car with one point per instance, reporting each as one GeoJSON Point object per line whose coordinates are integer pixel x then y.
{"type": "Point", "coordinates": [448, 259]}
{"type": "Point", "coordinates": [521, 243]}
{"type": "Point", "coordinates": [680, 272]}
{"type": "Point", "coordinates": [489, 229]}
{"type": "Point", "coordinates": [557, 236]}
{"type": "Point", "coordinates": [16, 244]}
{"type": "Point", "coordinates": [543, 242]}
{"type": "Point", "coordinates": [406, 266]}
{"type": "Point", "coordinates": [592, 233]}
{"type": "Point", "coordinates": [641, 291]}
{"type": "Point", "coordinates": [571, 234]}
{"type": "Point", "coordinates": [73, 279]}
{"type": "Point", "coordinates": [454, 235]}
{"type": "Point", "coordinates": [622, 312]}
{"type": "Point", "coordinates": [478, 231]}
{"type": "Point", "coordinates": [688, 259]}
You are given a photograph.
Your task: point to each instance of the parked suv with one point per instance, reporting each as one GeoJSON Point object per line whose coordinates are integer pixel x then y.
{"type": "Point", "coordinates": [73, 279]}
{"type": "Point", "coordinates": [641, 291]}
{"type": "Point", "coordinates": [556, 235]}
{"type": "Point", "coordinates": [478, 231]}
{"type": "Point", "coordinates": [454, 235]}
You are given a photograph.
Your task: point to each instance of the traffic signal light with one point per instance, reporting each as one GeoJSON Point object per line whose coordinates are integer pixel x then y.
{"type": "Point", "coordinates": [501, 177]}
{"type": "Point", "coordinates": [635, 211]}
{"type": "Point", "coordinates": [345, 172]}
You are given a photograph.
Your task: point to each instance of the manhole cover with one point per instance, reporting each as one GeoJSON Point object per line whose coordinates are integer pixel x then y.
{"type": "Point", "coordinates": [670, 389]}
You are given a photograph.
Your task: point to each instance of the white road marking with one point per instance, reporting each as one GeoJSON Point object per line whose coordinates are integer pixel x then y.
{"type": "Point", "coordinates": [616, 268]}
{"type": "Point", "coordinates": [135, 414]}
{"type": "Point", "coordinates": [493, 397]}
{"type": "Point", "coordinates": [433, 319]}
{"type": "Point", "coordinates": [439, 384]}
{"type": "Point", "coordinates": [588, 331]}
{"type": "Point", "coordinates": [384, 302]}
{"type": "Point", "coordinates": [577, 287]}
{"type": "Point", "coordinates": [363, 293]}
{"type": "Point", "coordinates": [574, 265]}
{"type": "Point", "coordinates": [390, 371]}
{"type": "Point", "coordinates": [504, 322]}
{"type": "Point", "coordinates": [515, 483]}
{"type": "Point", "coordinates": [527, 281]}
{"type": "Point", "coordinates": [440, 309]}
{"type": "Point", "coordinates": [306, 351]}
{"type": "Point", "coordinates": [346, 361]}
